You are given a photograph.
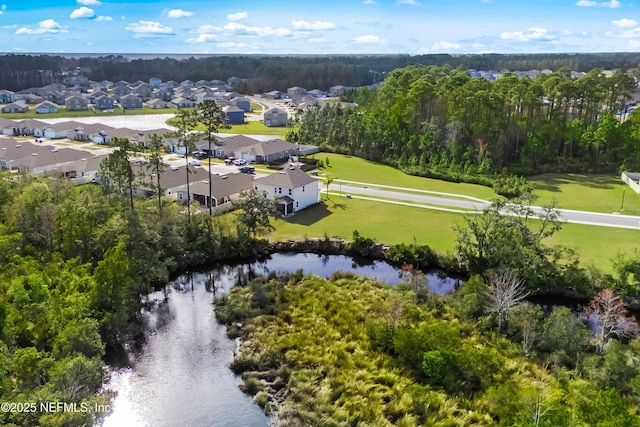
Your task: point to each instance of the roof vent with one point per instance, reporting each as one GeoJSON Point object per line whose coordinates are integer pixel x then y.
{"type": "Point", "coordinates": [174, 168]}
{"type": "Point", "coordinates": [225, 177]}
{"type": "Point", "coordinates": [34, 154]}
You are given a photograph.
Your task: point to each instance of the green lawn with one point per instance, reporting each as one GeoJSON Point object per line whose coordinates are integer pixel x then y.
{"type": "Point", "coordinates": [387, 223]}
{"type": "Point", "coordinates": [256, 128]}
{"type": "Point", "coordinates": [63, 113]}
{"type": "Point", "coordinates": [392, 224]}
{"type": "Point", "coordinates": [357, 169]}
{"type": "Point", "coordinates": [598, 192]}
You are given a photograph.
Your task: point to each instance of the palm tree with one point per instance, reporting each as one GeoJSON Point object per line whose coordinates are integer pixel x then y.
{"type": "Point", "coordinates": [328, 183]}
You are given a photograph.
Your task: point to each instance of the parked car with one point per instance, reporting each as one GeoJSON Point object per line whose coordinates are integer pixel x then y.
{"type": "Point", "coordinates": [240, 162]}
{"type": "Point", "coordinates": [247, 169]}
{"type": "Point", "coordinates": [194, 162]}
{"type": "Point", "coordinates": [229, 161]}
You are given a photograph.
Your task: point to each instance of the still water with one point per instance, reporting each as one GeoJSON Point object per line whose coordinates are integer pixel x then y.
{"type": "Point", "coordinates": [180, 376]}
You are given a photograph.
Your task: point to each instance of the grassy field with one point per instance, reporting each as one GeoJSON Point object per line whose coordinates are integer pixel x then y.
{"type": "Point", "coordinates": [392, 224]}
{"type": "Point", "coordinates": [357, 169]}
{"type": "Point", "coordinates": [63, 113]}
{"type": "Point", "coordinates": [598, 193]}
{"type": "Point", "coordinates": [256, 128]}
{"type": "Point", "coordinates": [387, 223]}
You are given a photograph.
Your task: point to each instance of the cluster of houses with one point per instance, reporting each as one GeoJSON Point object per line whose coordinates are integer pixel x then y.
{"type": "Point", "coordinates": [81, 94]}
{"type": "Point", "coordinates": [292, 188]}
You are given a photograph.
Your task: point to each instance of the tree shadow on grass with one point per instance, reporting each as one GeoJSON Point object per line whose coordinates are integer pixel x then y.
{"type": "Point", "coordinates": [552, 182]}
{"type": "Point", "coordinates": [310, 215]}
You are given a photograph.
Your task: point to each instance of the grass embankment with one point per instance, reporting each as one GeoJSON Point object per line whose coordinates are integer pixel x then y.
{"type": "Point", "coordinates": [392, 223]}
{"type": "Point", "coordinates": [361, 170]}
{"type": "Point", "coordinates": [256, 128]}
{"type": "Point", "coordinates": [597, 193]}
{"type": "Point", "coordinates": [64, 114]}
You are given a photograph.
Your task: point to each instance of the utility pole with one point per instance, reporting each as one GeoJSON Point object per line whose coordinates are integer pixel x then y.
{"type": "Point", "coordinates": [622, 204]}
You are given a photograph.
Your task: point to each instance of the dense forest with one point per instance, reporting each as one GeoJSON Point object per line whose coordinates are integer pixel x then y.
{"type": "Point", "coordinates": [440, 122]}
{"type": "Point", "coordinates": [265, 73]}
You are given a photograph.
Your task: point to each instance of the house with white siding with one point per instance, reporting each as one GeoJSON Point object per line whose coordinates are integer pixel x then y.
{"type": "Point", "coordinates": [292, 189]}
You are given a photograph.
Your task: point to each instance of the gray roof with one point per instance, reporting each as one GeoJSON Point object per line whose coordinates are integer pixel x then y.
{"type": "Point", "coordinates": [223, 185]}
{"type": "Point", "coordinates": [288, 178]}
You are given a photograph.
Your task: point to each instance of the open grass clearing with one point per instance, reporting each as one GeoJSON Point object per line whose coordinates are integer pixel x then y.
{"type": "Point", "coordinates": [588, 192]}
{"type": "Point", "coordinates": [361, 170]}
{"type": "Point", "coordinates": [63, 113]}
{"type": "Point", "coordinates": [394, 223]}
{"type": "Point", "coordinates": [255, 128]}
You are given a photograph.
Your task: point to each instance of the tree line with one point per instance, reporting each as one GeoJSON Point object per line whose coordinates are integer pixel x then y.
{"type": "Point", "coordinates": [271, 72]}
{"type": "Point", "coordinates": [440, 122]}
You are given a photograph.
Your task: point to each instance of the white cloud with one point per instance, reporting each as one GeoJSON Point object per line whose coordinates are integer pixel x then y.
{"type": "Point", "coordinates": [409, 2]}
{"type": "Point", "coordinates": [313, 26]}
{"type": "Point", "coordinates": [82, 12]}
{"type": "Point", "coordinates": [237, 16]}
{"type": "Point", "coordinates": [89, 2]}
{"type": "Point", "coordinates": [3, 8]}
{"type": "Point", "coordinates": [179, 13]}
{"type": "Point", "coordinates": [445, 46]}
{"type": "Point", "coordinates": [102, 18]}
{"type": "Point", "coordinates": [244, 30]}
{"type": "Point", "coordinates": [318, 40]}
{"type": "Point", "coordinates": [532, 34]}
{"type": "Point", "coordinates": [368, 39]}
{"type": "Point", "coordinates": [592, 3]}
{"type": "Point", "coordinates": [46, 26]}
{"type": "Point", "coordinates": [206, 29]}
{"type": "Point", "coordinates": [202, 38]}
{"type": "Point", "coordinates": [143, 29]}
{"type": "Point", "coordinates": [624, 23]}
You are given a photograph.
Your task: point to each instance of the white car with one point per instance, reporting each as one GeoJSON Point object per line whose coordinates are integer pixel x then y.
{"type": "Point", "coordinates": [240, 162]}
{"type": "Point", "coordinates": [194, 162]}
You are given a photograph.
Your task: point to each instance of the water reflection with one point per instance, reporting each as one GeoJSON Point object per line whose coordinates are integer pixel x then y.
{"type": "Point", "coordinates": [180, 375]}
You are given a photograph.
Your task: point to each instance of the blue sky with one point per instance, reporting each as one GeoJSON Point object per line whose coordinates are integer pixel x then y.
{"type": "Point", "coordinates": [319, 27]}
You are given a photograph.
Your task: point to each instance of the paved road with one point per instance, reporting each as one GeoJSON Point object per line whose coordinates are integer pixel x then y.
{"type": "Point", "coordinates": [463, 204]}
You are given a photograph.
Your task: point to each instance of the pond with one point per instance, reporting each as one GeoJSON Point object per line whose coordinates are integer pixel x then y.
{"type": "Point", "coordinates": [180, 375]}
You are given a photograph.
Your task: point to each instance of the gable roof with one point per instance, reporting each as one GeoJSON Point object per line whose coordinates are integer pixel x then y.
{"type": "Point", "coordinates": [288, 178]}
{"type": "Point", "coordinates": [223, 185]}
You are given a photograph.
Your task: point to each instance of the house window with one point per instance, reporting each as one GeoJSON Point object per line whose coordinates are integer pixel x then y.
{"type": "Point", "coordinates": [303, 188]}
{"type": "Point", "coordinates": [279, 190]}
{"type": "Point", "coordinates": [289, 191]}
{"type": "Point", "coordinates": [297, 204]}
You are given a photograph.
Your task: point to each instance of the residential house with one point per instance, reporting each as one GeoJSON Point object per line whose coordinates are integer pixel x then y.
{"type": "Point", "coordinates": [291, 188]}
{"type": "Point", "coordinates": [235, 81]}
{"type": "Point", "coordinates": [338, 90]}
{"type": "Point", "coordinates": [183, 103]}
{"type": "Point", "coordinates": [155, 81]}
{"type": "Point", "coordinates": [87, 132]}
{"type": "Point", "coordinates": [275, 117]}
{"type": "Point", "coordinates": [61, 130]}
{"type": "Point", "coordinates": [56, 97]}
{"type": "Point", "coordinates": [205, 94]}
{"type": "Point", "coordinates": [317, 93]}
{"type": "Point", "coordinates": [15, 107]}
{"type": "Point", "coordinates": [165, 94]}
{"type": "Point", "coordinates": [224, 189]}
{"type": "Point", "coordinates": [296, 90]}
{"type": "Point", "coordinates": [33, 99]}
{"type": "Point", "coordinates": [46, 107]}
{"type": "Point", "coordinates": [121, 83]}
{"type": "Point", "coordinates": [47, 161]}
{"type": "Point", "coordinates": [228, 146]}
{"type": "Point", "coordinates": [76, 103]}
{"type": "Point", "coordinates": [242, 103]}
{"type": "Point", "coordinates": [6, 96]}
{"type": "Point", "coordinates": [84, 170]}
{"type": "Point", "coordinates": [131, 102]}
{"type": "Point", "coordinates": [234, 114]}
{"type": "Point", "coordinates": [99, 87]}
{"type": "Point", "coordinates": [122, 91]}
{"type": "Point", "coordinates": [104, 103]}
{"type": "Point", "coordinates": [275, 94]}
{"type": "Point", "coordinates": [28, 127]}
{"type": "Point", "coordinates": [187, 83]}
{"type": "Point", "coordinates": [143, 91]}
{"type": "Point", "coordinates": [158, 103]}
{"type": "Point", "coordinates": [267, 151]}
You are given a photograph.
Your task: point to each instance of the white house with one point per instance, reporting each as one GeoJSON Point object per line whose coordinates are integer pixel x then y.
{"type": "Point", "coordinates": [292, 189]}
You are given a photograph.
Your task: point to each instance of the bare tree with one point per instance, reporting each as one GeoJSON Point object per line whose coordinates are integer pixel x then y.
{"type": "Point", "coordinates": [507, 291]}
{"type": "Point", "coordinates": [610, 318]}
